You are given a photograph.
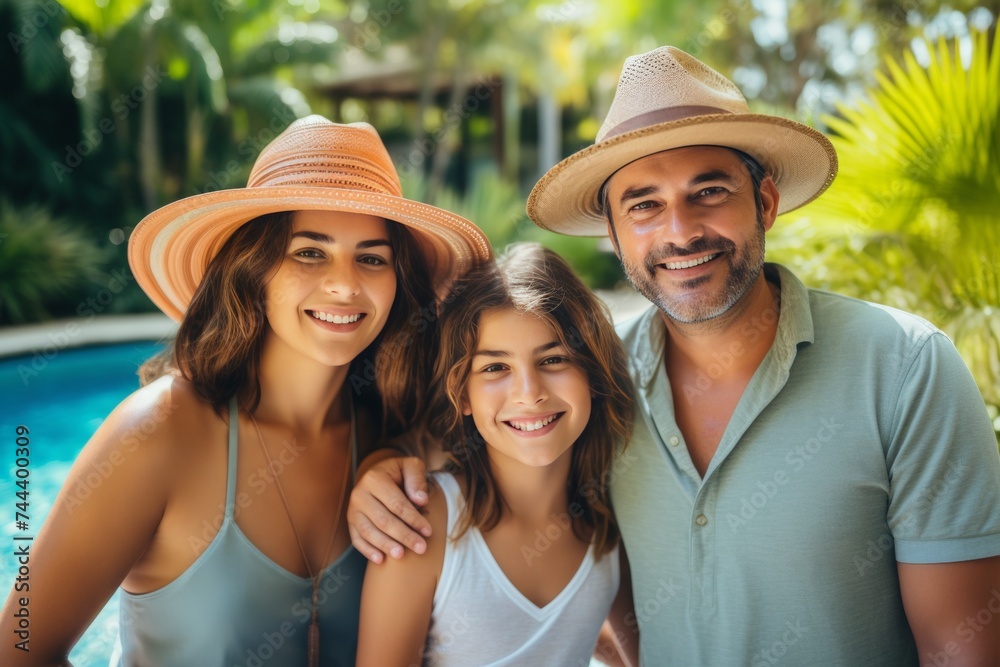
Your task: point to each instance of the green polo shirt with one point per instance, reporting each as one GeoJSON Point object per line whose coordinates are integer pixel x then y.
{"type": "Point", "coordinates": [860, 441]}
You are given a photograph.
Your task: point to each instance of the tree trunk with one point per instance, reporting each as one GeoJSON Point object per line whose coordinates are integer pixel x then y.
{"type": "Point", "coordinates": [429, 52]}
{"type": "Point", "coordinates": [454, 116]}
{"type": "Point", "coordinates": [149, 147]}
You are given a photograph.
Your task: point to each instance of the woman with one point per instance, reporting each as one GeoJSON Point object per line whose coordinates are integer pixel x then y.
{"type": "Point", "coordinates": [222, 520]}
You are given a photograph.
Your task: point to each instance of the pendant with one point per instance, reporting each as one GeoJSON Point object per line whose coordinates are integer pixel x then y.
{"type": "Point", "coordinates": [314, 644]}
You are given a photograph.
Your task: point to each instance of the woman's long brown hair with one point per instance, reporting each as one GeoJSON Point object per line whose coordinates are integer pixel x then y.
{"type": "Point", "coordinates": [219, 342]}
{"type": "Point", "coordinates": [532, 279]}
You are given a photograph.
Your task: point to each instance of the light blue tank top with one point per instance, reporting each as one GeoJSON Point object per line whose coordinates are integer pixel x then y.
{"type": "Point", "coordinates": [236, 607]}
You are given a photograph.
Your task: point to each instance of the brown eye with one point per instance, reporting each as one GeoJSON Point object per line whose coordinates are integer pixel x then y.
{"type": "Point", "coordinates": [644, 210]}
{"type": "Point", "coordinates": [308, 253]}
{"type": "Point", "coordinates": [710, 193]}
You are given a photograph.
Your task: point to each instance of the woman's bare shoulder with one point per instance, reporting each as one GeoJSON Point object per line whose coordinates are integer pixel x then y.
{"type": "Point", "coordinates": [167, 411]}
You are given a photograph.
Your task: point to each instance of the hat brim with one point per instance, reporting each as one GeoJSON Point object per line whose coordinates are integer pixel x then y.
{"type": "Point", "coordinates": [801, 161]}
{"type": "Point", "coordinates": [171, 248]}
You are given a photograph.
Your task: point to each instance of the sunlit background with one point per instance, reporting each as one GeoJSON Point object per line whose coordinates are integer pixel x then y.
{"type": "Point", "coordinates": [111, 108]}
{"type": "Point", "coordinates": [115, 107]}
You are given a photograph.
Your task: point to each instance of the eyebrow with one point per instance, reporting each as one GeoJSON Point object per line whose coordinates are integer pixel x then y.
{"type": "Point", "coordinates": [645, 191]}
{"type": "Point", "coordinates": [324, 238]}
{"type": "Point", "coordinates": [713, 175]}
{"type": "Point", "coordinates": [497, 354]}
{"type": "Point", "coordinates": [637, 193]}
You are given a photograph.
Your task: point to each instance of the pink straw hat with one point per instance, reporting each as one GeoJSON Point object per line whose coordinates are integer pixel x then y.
{"type": "Point", "coordinates": [668, 99]}
{"type": "Point", "coordinates": [314, 164]}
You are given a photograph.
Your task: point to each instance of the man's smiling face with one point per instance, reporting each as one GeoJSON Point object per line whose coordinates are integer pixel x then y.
{"type": "Point", "coordinates": [688, 230]}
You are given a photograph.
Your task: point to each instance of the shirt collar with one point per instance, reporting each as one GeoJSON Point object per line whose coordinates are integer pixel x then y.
{"type": "Point", "coordinates": [795, 325]}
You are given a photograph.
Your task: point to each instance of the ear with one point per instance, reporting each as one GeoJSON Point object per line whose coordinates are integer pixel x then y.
{"type": "Point", "coordinates": [769, 198]}
{"type": "Point", "coordinates": [466, 408]}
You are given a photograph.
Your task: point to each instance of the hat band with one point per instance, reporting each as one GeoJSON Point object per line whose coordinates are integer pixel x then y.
{"type": "Point", "coordinates": [658, 116]}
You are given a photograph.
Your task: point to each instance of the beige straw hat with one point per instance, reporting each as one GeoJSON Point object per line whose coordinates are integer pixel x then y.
{"type": "Point", "coordinates": [668, 99]}
{"type": "Point", "coordinates": [314, 164]}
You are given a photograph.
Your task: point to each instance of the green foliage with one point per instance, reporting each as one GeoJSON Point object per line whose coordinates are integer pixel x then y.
{"type": "Point", "coordinates": [44, 264]}
{"type": "Point", "coordinates": [591, 258]}
{"type": "Point", "coordinates": [494, 205]}
{"type": "Point", "coordinates": [913, 219]}
{"type": "Point", "coordinates": [497, 208]}
{"type": "Point", "coordinates": [101, 17]}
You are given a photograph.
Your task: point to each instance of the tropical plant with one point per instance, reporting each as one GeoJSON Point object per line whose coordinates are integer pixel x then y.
{"type": "Point", "coordinates": [35, 103]}
{"type": "Point", "coordinates": [202, 77]}
{"type": "Point", "coordinates": [490, 202]}
{"type": "Point", "coordinates": [497, 208]}
{"type": "Point", "coordinates": [44, 264]}
{"type": "Point", "coordinates": [913, 219]}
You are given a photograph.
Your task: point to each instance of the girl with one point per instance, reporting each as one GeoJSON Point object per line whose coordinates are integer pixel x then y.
{"type": "Point", "coordinates": [533, 403]}
{"type": "Point", "coordinates": [222, 516]}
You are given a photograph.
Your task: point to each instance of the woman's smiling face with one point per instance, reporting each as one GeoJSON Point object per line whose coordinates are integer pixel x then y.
{"type": "Point", "coordinates": [332, 292]}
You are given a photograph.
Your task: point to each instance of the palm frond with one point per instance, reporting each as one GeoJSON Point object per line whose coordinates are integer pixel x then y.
{"type": "Point", "coordinates": [295, 44]}
{"type": "Point", "coordinates": [913, 219]}
{"type": "Point", "coordinates": [102, 18]}
{"type": "Point", "coordinates": [267, 98]}
{"type": "Point", "coordinates": [189, 43]}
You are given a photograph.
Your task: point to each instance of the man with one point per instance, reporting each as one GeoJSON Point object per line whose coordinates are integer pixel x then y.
{"type": "Point", "coordinates": [813, 479]}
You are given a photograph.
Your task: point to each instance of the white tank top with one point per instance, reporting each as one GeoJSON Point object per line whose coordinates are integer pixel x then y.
{"type": "Point", "coordinates": [480, 619]}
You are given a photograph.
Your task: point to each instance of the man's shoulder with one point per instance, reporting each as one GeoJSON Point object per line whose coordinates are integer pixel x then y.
{"type": "Point", "coordinates": [834, 314]}
{"type": "Point", "coordinates": [837, 313]}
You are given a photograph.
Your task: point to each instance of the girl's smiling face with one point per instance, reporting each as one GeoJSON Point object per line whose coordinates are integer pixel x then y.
{"type": "Point", "coordinates": [528, 399]}
{"type": "Point", "coordinates": [331, 294]}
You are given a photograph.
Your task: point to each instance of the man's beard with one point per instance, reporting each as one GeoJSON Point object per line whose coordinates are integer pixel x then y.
{"type": "Point", "coordinates": [744, 268]}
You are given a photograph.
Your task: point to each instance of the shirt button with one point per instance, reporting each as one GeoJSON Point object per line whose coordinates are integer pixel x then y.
{"type": "Point", "coordinates": [701, 520]}
{"type": "Point", "coordinates": [674, 440]}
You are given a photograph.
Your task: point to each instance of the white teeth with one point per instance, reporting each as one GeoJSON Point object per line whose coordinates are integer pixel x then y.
{"type": "Point", "coordinates": [533, 426]}
{"type": "Point", "coordinates": [336, 319]}
{"type": "Point", "coordinates": [691, 262]}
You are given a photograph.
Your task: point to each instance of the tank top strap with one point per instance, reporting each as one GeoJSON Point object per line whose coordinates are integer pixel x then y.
{"type": "Point", "coordinates": [231, 470]}
{"type": "Point", "coordinates": [454, 499]}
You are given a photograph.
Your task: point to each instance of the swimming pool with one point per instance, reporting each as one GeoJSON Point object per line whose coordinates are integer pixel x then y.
{"type": "Point", "coordinates": [61, 400]}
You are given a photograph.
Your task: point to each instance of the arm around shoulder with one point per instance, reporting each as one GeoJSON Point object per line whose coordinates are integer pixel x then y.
{"type": "Point", "coordinates": [380, 514]}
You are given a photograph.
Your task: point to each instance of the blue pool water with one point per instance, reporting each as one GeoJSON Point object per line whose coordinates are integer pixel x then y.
{"type": "Point", "coordinates": [61, 401]}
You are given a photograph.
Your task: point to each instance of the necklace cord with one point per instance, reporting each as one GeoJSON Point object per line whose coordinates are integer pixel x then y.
{"type": "Point", "coordinates": [313, 636]}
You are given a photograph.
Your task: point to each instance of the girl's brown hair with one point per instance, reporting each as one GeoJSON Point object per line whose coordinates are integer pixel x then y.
{"type": "Point", "coordinates": [532, 279]}
{"type": "Point", "coordinates": [219, 342]}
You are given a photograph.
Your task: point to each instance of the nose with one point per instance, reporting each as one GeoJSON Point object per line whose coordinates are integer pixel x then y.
{"type": "Point", "coordinates": [681, 226]}
{"type": "Point", "coordinates": [527, 387]}
{"type": "Point", "coordinates": [342, 278]}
